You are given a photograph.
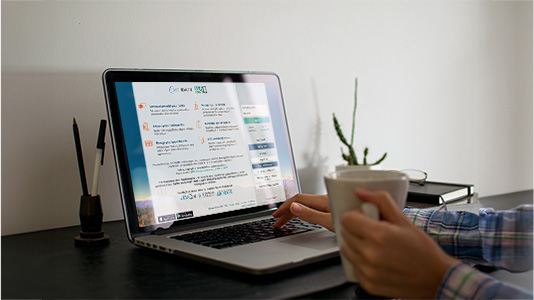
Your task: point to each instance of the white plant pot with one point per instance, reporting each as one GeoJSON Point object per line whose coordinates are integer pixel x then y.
{"type": "Point", "coordinates": [358, 167]}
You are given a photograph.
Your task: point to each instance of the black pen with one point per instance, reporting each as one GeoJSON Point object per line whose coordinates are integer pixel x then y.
{"type": "Point", "coordinates": [79, 154]}
{"type": "Point", "coordinates": [99, 159]}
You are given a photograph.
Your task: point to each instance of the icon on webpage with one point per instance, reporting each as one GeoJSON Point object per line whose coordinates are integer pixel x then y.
{"type": "Point", "coordinates": [142, 105]}
{"type": "Point", "coordinates": [145, 126]}
{"type": "Point", "coordinates": [149, 143]}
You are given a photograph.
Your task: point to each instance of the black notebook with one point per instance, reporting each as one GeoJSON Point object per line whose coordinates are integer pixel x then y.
{"type": "Point", "coordinates": [438, 192]}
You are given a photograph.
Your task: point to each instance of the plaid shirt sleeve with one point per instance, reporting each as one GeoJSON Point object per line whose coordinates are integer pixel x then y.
{"type": "Point", "coordinates": [502, 239]}
{"type": "Point", "coordinates": [463, 282]}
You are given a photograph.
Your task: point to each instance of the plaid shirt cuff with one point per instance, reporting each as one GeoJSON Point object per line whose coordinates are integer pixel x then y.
{"type": "Point", "coordinates": [464, 282]}
{"type": "Point", "coordinates": [461, 282]}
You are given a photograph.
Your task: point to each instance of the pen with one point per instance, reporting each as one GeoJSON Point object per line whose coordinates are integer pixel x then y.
{"type": "Point", "coordinates": [79, 154]}
{"type": "Point", "coordinates": [99, 159]}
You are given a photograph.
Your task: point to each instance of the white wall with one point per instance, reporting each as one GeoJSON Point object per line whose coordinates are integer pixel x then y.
{"type": "Point", "coordinates": [445, 86]}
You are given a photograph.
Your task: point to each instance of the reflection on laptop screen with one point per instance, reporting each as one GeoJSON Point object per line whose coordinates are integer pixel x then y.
{"type": "Point", "coordinates": [201, 148]}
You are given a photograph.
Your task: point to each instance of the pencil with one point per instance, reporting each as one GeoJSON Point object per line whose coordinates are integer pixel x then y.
{"type": "Point", "coordinates": [79, 154]}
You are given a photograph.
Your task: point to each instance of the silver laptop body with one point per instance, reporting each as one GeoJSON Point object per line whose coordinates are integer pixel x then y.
{"type": "Point", "coordinates": [200, 150]}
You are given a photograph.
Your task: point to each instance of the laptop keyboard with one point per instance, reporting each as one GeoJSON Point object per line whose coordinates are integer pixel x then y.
{"type": "Point", "coordinates": [246, 233]}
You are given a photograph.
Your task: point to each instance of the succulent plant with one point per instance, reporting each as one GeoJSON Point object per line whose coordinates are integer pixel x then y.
{"type": "Point", "coordinates": [350, 157]}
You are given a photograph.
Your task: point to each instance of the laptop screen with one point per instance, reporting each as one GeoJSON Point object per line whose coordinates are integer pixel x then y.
{"type": "Point", "coordinates": [198, 144]}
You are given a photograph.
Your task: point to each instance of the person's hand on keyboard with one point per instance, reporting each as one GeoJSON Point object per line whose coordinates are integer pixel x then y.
{"type": "Point", "coordinates": [311, 208]}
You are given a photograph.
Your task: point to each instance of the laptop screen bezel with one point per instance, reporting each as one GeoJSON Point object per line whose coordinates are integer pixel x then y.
{"type": "Point", "coordinates": [111, 76]}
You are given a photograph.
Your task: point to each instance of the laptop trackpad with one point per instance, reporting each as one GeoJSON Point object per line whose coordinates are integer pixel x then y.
{"type": "Point", "coordinates": [322, 240]}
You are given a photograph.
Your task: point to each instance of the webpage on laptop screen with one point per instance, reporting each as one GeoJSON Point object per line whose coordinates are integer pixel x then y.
{"type": "Point", "coordinates": [196, 149]}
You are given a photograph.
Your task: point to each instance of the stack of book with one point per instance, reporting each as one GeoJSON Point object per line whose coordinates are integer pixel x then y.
{"type": "Point", "coordinates": [437, 193]}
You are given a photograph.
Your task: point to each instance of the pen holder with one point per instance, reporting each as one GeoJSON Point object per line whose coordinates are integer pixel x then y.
{"type": "Point", "coordinates": [91, 220]}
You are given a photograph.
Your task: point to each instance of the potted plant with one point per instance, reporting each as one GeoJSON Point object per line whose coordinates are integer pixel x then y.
{"type": "Point", "coordinates": [350, 157]}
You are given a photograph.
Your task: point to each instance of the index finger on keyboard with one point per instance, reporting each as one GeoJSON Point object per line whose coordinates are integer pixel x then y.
{"type": "Point", "coordinates": [284, 219]}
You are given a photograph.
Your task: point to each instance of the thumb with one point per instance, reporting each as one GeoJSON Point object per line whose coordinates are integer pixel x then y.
{"type": "Point", "coordinates": [389, 210]}
{"type": "Point", "coordinates": [311, 215]}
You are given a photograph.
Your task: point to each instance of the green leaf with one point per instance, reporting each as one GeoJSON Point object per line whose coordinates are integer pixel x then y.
{"type": "Point", "coordinates": [339, 132]}
{"type": "Point", "coordinates": [380, 160]}
{"type": "Point", "coordinates": [354, 111]}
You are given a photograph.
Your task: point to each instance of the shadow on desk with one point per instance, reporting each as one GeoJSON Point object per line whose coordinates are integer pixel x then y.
{"type": "Point", "coordinates": [47, 264]}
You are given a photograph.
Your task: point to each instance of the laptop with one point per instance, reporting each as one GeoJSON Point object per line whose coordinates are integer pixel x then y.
{"type": "Point", "coordinates": [203, 159]}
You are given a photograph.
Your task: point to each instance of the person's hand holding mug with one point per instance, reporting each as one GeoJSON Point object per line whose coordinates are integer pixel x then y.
{"type": "Point", "coordinates": [341, 187]}
{"type": "Point", "coordinates": [391, 257]}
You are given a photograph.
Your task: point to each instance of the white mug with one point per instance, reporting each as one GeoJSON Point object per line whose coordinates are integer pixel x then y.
{"type": "Point", "coordinates": [341, 187]}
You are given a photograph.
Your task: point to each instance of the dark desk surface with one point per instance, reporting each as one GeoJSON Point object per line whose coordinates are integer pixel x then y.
{"type": "Point", "coordinates": [47, 264]}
